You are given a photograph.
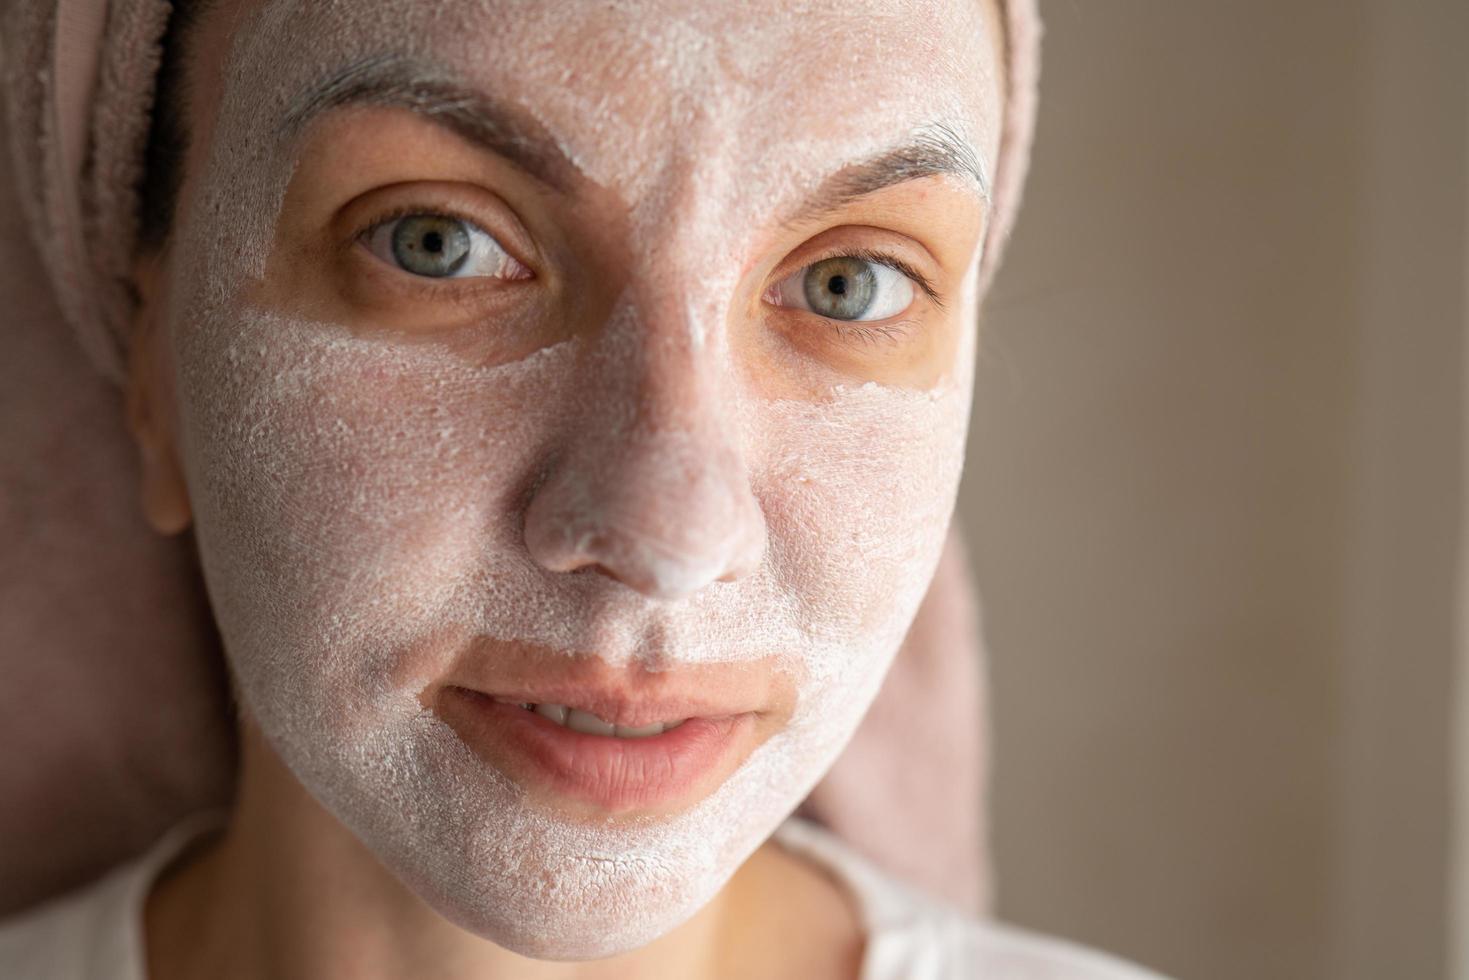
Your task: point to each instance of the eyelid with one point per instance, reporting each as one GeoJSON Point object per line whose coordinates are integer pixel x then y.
{"type": "Point", "coordinates": [876, 256]}
{"type": "Point", "coordinates": [892, 262]}
{"type": "Point", "coordinates": [468, 201]}
{"type": "Point", "coordinates": [407, 210]}
{"type": "Point", "coordinates": [372, 228]}
{"type": "Point", "coordinates": [881, 257]}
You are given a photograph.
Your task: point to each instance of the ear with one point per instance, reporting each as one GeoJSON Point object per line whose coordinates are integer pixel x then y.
{"type": "Point", "coordinates": [150, 404]}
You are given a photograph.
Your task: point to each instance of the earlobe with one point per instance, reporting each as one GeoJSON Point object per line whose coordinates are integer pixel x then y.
{"type": "Point", "coordinates": [149, 408]}
{"type": "Point", "coordinates": [164, 496]}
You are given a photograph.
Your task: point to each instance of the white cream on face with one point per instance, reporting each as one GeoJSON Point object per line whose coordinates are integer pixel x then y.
{"type": "Point", "coordinates": [364, 505]}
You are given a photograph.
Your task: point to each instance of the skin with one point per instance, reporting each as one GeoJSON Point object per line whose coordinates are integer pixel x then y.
{"type": "Point", "coordinates": [289, 890]}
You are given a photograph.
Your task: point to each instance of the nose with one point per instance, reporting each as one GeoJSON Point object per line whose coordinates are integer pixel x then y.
{"type": "Point", "coordinates": [650, 487]}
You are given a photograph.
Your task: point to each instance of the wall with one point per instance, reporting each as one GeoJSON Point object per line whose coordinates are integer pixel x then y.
{"type": "Point", "coordinates": [1389, 886]}
{"type": "Point", "coordinates": [1458, 910]}
{"type": "Point", "coordinates": [1213, 483]}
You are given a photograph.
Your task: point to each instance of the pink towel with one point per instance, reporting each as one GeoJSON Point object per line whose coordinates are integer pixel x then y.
{"type": "Point", "coordinates": [113, 718]}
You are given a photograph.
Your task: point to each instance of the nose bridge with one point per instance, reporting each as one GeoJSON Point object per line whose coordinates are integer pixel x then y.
{"type": "Point", "coordinates": [650, 486]}
{"type": "Point", "coordinates": [677, 382]}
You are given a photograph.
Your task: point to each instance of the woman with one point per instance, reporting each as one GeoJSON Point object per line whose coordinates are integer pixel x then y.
{"type": "Point", "coordinates": [569, 412]}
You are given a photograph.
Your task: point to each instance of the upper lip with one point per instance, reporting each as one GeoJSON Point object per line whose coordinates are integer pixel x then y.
{"type": "Point", "coordinates": [631, 696]}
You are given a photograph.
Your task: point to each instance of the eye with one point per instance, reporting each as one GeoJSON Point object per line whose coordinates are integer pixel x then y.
{"type": "Point", "coordinates": [441, 247]}
{"type": "Point", "coordinates": [846, 287]}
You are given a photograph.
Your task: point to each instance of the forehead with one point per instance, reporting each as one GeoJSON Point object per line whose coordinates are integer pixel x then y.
{"type": "Point", "coordinates": [716, 74]}
{"type": "Point", "coordinates": [638, 93]}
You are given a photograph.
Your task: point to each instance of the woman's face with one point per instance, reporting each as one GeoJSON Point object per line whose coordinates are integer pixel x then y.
{"type": "Point", "coordinates": [619, 360]}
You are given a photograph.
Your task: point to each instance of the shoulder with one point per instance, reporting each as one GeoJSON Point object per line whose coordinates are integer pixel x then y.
{"type": "Point", "coordinates": [937, 942]}
{"type": "Point", "coordinates": [998, 950]}
{"type": "Point", "coordinates": [913, 936]}
{"type": "Point", "coordinates": [95, 932]}
{"type": "Point", "coordinates": [79, 935]}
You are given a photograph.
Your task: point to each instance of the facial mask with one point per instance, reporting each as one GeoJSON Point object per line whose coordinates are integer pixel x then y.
{"type": "Point", "coordinates": [361, 504]}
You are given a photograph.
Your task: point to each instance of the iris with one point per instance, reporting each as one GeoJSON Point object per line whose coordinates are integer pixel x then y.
{"type": "Point", "coordinates": [430, 244]}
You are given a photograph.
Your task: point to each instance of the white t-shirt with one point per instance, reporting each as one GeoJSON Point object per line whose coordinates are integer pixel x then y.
{"type": "Point", "coordinates": [96, 932]}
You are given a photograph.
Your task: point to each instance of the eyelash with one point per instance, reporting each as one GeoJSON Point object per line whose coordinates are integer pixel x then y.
{"type": "Point", "coordinates": [850, 332]}
{"type": "Point", "coordinates": [453, 289]}
{"type": "Point", "coordinates": [855, 333]}
{"type": "Point", "coordinates": [892, 262]}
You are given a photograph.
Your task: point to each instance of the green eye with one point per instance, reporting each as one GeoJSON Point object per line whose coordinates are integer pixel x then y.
{"type": "Point", "coordinates": [430, 244]}
{"type": "Point", "coordinates": [437, 246]}
{"type": "Point", "coordinates": [847, 287]}
{"type": "Point", "coordinates": [841, 288]}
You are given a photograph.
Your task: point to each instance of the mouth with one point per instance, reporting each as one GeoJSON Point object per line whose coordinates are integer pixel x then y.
{"type": "Point", "coordinates": [588, 723]}
{"type": "Point", "coordinates": [598, 756]}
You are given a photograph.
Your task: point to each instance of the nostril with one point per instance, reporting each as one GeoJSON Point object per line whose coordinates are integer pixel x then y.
{"type": "Point", "coordinates": [597, 568]}
{"type": "Point", "coordinates": [657, 570]}
{"type": "Point", "coordinates": [549, 539]}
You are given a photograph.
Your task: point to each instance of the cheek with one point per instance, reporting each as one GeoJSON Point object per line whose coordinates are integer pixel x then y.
{"type": "Point", "coordinates": [861, 496]}
{"type": "Point", "coordinates": [344, 489]}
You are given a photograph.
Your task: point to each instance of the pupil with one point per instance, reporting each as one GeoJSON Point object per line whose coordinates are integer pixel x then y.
{"type": "Point", "coordinates": [838, 285]}
{"type": "Point", "coordinates": [433, 241]}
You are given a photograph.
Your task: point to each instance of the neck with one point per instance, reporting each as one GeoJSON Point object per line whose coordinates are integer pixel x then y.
{"type": "Point", "coordinates": [287, 891]}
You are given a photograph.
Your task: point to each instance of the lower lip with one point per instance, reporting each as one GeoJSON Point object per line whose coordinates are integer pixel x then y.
{"type": "Point", "coordinates": [612, 774]}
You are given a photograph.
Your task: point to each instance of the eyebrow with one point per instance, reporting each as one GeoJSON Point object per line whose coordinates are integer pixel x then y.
{"type": "Point", "coordinates": [398, 81]}
{"type": "Point", "coordinates": [936, 150]}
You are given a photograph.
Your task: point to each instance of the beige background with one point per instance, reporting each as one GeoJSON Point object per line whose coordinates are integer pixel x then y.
{"type": "Point", "coordinates": [1214, 486]}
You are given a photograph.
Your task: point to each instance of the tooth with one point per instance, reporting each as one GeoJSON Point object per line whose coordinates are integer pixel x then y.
{"type": "Point", "coordinates": [556, 712]}
{"type": "Point", "coordinates": [670, 725]}
{"type": "Point", "coordinates": [587, 723]}
{"type": "Point", "coordinates": [624, 731]}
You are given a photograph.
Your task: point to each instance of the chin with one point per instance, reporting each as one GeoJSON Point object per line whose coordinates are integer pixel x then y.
{"type": "Point", "coordinates": [482, 852]}
{"type": "Point", "coordinates": [593, 944]}
{"type": "Point", "coordinates": [467, 841]}
{"type": "Point", "coordinates": [536, 918]}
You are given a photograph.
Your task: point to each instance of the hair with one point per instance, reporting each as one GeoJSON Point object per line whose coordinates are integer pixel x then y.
{"type": "Point", "coordinates": [168, 137]}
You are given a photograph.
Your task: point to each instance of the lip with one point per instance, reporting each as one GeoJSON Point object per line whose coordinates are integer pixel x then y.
{"type": "Point", "coordinates": [606, 774]}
